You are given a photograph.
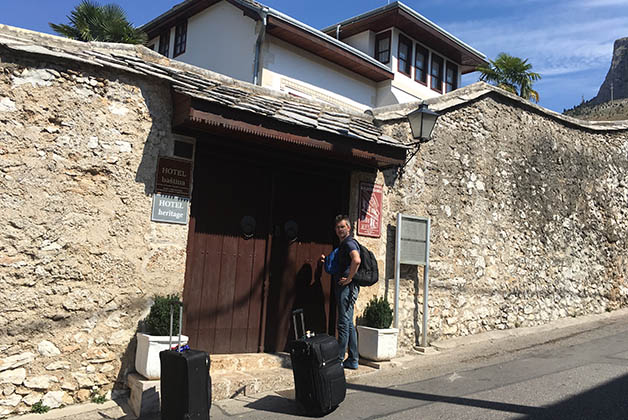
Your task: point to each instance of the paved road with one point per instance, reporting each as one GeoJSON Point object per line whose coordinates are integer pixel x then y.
{"type": "Point", "coordinates": [581, 376]}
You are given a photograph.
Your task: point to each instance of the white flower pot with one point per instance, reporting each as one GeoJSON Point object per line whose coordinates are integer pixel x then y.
{"type": "Point", "coordinates": [147, 361]}
{"type": "Point", "coordinates": [377, 344]}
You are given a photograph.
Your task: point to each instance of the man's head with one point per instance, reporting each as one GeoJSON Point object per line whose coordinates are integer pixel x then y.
{"type": "Point", "coordinates": [343, 226]}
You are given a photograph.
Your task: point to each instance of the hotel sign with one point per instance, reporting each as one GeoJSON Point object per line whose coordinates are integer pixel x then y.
{"type": "Point", "coordinates": [173, 176]}
{"type": "Point", "coordinates": [370, 214]}
{"type": "Point", "coordinates": [170, 209]}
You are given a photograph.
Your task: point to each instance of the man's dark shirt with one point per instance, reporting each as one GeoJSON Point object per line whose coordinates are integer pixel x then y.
{"type": "Point", "coordinates": [344, 257]}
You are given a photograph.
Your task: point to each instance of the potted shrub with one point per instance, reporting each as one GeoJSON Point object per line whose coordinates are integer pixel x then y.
{"type": "Point", "coordinates": [376, 340]}
{"type": "Point", "coordinates": [157, 336]}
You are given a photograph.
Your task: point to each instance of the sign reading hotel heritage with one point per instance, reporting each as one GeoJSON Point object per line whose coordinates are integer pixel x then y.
{"type": "Point", "coordinates": [170, 209]}
{"type": "Point", "coordinates": [173, 176]}
{"type": "Point", "coordinates": [370, 215]}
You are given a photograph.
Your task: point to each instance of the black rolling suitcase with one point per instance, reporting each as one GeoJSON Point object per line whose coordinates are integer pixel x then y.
{"type": "Point", "coordinates": [319, 379]}
{"type": "Point", "coordinates": [185, 382]}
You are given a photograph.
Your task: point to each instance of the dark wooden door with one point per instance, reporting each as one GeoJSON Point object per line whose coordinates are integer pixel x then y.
{"type": "Point", "coordinates": [226, 259]}
{"type": "Point", "coordinates": [241, 285]}
{"type": "Point", "coordinates": [304, 206]}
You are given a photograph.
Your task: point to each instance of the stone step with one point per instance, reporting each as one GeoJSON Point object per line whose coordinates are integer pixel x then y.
{"type": "Point", "coordinates": [246, 362]}
{"type": "Point", "coordinates": [144, 395]}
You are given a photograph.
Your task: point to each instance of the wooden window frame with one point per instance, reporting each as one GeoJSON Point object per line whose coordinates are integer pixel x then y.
{"type": "Point", "coordinates": [420, 49]}
{"type": "Point", "coordinates": [180, 38]}
{"type": "Point", "coordinates": [405, 40]}
{"type": "Point", "coordinates": [379, 37]}
{"type": "Point", "coordinates": [441, 63]}
{"type": "Point", "coordinates": [454, 85]}
{"type": "Point", "coordinates": [164, 43]}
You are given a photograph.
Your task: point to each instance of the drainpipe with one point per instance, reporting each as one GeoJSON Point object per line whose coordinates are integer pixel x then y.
{"type": "Point", "coordinates": [338, 32]}
{"type": "Point", "coordinates": [263, 13]}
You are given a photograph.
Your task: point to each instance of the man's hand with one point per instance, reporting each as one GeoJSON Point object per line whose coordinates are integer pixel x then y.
{"type": "Point", "coordinates": [322, 259]}
{"type": "Point", "coordinates": [344, 281]}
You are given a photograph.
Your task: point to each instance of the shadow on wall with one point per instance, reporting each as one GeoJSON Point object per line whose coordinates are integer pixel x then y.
{"type": "Point", "coordinates": [159, 104]}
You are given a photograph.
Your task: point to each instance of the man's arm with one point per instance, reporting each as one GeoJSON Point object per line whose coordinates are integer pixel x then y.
{"type": "Point", "coordinates": [353, 267]}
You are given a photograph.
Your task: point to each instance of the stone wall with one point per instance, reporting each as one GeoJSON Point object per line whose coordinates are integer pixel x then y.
{"type": "Point", "coordinates": [79, 257]}
{"type": "Point", "coordinates": [529, 220]}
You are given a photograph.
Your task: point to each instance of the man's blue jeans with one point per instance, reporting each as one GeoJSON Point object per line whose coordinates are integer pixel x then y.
{"type": "Point", "coordinates": [345, 299]}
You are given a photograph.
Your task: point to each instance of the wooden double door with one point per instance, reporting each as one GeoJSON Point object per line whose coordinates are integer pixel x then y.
{"type": "Point", "coordinates": [258, 227]}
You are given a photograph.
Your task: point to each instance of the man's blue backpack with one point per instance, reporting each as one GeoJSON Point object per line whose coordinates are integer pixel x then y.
{"type": "Point", "coordinates": [331, 262]}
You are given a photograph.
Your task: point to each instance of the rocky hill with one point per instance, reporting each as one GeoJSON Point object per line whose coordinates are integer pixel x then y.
{"type": "Point", "coordinates": [616, 110]}
{"type": "Point", "coordinates": [601, 107]}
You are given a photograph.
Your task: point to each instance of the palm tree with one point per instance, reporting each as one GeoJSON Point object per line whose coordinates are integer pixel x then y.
{"type": "Point", "coordinates": [512, 74]}
{"type": "Point", "coordinates": [91, 22]}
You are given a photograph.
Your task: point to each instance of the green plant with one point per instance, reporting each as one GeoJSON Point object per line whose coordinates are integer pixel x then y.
{"type": "Point", "coordinates": [98, 398]}
{"type": "Point", "coordinates": [39, 408]}
{"type": "Point", "coordinates": [89, 21]}
{"type": "Point", "coordinates": [378, 313]}
{"type": "Point", "coordinates": [158, 319]}
{"type": "Point", "coordinates": [512, 74]}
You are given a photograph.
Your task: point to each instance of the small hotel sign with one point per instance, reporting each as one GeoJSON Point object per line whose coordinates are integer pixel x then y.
{"type": "Point", "coordinates": [173, 176]}
{"type": "Point", "coordinates": [370, 216]}
{"type": "Point", "coordinates": [170, 209]}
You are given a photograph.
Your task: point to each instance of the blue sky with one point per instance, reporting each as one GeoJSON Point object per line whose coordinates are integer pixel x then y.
{"type": "Point", "coordinates": [570, 42]}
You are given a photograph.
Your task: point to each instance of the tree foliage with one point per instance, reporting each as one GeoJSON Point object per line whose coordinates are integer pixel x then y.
{"type": "Point", "coordinates": [512, 74]}
{"type": "Point", "coordinates": [90, 21]}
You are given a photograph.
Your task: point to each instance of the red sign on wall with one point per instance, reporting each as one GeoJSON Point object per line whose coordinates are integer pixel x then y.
{"type": "Point", "coordinates": [370, 214]}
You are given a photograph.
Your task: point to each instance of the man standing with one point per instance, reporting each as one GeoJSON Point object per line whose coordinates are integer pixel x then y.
{"type": "Point", "coordinates": [346, 290]}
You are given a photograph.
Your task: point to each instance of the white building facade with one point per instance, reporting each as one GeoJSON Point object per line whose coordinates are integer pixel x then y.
{"type": "Point", "coordinates": [387, 56]}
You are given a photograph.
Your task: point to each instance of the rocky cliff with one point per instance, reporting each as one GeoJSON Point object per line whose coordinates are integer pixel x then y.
{"type": "Point", "coordinates": [615, 87]}
{"type": "Point", "coordinates": [617, 77]}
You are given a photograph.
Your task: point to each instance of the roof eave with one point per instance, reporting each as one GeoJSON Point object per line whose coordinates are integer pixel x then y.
{"type": "Point", "coordinates": [335, 51]}
{"type": "Point", "coordinates": [189, 8]}
{"type": "Point", "coordinates": [478, 57]}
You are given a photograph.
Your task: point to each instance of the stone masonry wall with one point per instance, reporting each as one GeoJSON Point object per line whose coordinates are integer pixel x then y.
{"type": "Point", "coordinates": [79, 257]}
{"type": "Point", "coordinates": [529, 221]}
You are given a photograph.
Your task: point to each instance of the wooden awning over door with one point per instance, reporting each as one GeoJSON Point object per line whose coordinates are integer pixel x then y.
{"type": "Point", "coordinates": [194, 115]}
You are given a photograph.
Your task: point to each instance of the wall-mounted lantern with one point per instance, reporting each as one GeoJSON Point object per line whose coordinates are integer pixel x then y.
{"type": "Point", "coordinates": [422, 121]}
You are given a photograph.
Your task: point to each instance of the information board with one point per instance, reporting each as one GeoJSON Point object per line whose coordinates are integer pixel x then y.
{"type": "Point", "coordinates": [413, 240]}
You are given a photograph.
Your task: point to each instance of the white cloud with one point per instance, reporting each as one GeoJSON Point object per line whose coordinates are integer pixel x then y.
{"type": "Point", "coordinates": [591, 4]}
{"type": "Point", "coordinates": [564, 41]}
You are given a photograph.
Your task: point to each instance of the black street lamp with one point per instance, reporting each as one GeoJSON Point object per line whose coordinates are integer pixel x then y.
{"type": "Point", "coordinates": [422, 121]}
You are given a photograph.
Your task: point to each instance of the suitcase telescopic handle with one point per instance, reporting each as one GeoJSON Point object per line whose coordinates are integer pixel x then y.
{"type": "Point", "coordinates": [172, 321]}
{"type": "Point", "coordinates": [295, 313]}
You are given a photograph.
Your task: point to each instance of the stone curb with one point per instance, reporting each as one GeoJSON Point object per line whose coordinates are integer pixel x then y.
{"type": "Point", "coordinates": [91, 409]}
